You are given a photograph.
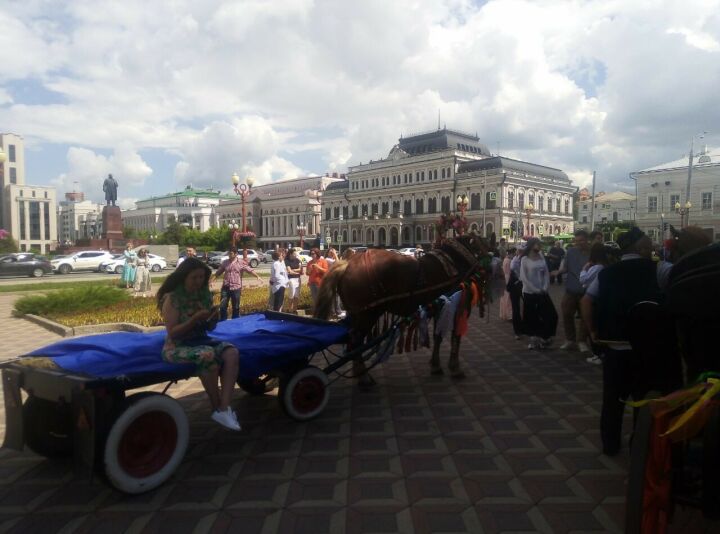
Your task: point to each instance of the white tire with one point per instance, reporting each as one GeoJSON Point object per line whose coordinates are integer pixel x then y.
{"type": "Point", "coordinates": [146, 443]}
{"type": "Point", "coordinates": [305, 394]}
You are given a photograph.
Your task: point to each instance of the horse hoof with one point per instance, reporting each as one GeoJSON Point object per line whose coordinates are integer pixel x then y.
{"type": "Point", "coordinates": [437, 371]}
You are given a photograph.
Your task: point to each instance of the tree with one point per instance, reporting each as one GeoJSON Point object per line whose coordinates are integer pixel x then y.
{"type": "Point", "coordinates": [129, 232]}
{"type": "Point", "coordinates": [7, 243]}
{"type": "Point", "coordinates": [174, 234]}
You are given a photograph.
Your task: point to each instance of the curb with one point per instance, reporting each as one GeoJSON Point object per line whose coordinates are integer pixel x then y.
{"type": "Point", "coordinates": [66, 331]}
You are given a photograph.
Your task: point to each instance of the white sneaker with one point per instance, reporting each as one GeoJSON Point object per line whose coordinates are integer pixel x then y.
{"type": "Point", "coordinates": [583, 347]}
{"type": "Point", "coordinates": [568, 345]}
{"type": "Point", "coordinates": [226, 418]}
{"type": "Point", "coordinates": [534, 343]}
{"type": "Point", "coordinates": [595, 360]}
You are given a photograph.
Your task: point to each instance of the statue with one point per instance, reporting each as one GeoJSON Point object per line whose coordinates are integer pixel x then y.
{"type": "Point", "coordinates": [110, 189]}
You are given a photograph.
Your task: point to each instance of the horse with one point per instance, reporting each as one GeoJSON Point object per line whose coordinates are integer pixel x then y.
{"type": "Point", "coordinates": [378, 281]}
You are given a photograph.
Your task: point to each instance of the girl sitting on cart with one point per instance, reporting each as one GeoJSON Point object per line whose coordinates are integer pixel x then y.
{"type": "Point", "coordinates": [185, 302]}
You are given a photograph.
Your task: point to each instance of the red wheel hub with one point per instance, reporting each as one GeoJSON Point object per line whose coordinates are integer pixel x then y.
{"type": "Point", "coordinates": [147, 444]}
{"type": "Point", "coordinates": [308, 394]}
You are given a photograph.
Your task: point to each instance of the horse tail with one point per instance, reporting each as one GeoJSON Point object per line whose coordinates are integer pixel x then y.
{"type": "Point", "coordinates": [328, 290]}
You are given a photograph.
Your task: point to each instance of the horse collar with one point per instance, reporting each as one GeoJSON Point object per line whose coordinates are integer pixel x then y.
{"type": "Point", "coordinates": [463, 251]}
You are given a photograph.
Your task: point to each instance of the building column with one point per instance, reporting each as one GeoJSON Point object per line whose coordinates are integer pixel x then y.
{"type": "Point", "coordinates": [43, 237]}
{"type": "Point", "coordinates": [26, 237]}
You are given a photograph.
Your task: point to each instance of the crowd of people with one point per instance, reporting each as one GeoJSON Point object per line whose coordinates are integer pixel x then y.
{"type": "Point", "coordinates": [602, 285]}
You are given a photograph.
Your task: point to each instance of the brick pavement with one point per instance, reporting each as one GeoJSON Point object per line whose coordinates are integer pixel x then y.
{"type": "Point", "coordinates": [512, 448]}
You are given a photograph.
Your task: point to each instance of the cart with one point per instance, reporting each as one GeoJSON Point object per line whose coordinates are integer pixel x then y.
{"type": "Point", "coordinates": [79, 403]}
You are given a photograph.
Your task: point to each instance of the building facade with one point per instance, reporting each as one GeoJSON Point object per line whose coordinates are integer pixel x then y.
{"type": "Point", "coordinates": [661, 188]}
{"type": "Point", "coordinates": [194, 208]}
{"type": "Point", "coordinates": [276, 211]}
{"type": "Point", "coordinates": [78, 218]}
{"type": "Point", "coordinates": [28, 212]}
{"type": "Point", "coordinates": [617, 206]}
{"type": "Point", "coordinates": [397, 200]}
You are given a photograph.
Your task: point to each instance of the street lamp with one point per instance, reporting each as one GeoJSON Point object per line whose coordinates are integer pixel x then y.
{"type": "Point", "coordinates": [528, 210]}
{"type": "Point", "coordinates": [243, 191]}
{"type": "Point", "coordinates": [340, 239]}
{"type": "Point", "coordinates": [301, 229]}
{"type": "Point", "coordinates": [462, 202]}
{"type": "Point", "coordinates": [684, 211]}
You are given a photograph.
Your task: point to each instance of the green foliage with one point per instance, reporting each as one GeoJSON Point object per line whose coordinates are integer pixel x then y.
{"type": "Point", "coordinates": [8, 244]}
{"type": "Point", "coordinates": [85, 299]}
{"type": "Point", "coordinates": [173, 235]}
{"type": "Point", "coordinates": [129, 233]}
{"type": "Point", "coordinates": [143, 311]}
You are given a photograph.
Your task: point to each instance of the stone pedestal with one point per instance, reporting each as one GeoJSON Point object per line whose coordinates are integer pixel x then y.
{"type": "Point", "coordinates": [112, 223]}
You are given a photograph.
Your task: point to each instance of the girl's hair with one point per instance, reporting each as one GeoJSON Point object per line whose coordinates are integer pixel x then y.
{"type": "Point", "coordinates": [177, 278]}
{"type": "Point", "coordinates": [531, 244]}
{"type": "Point", "coordinates": [315, 251]}
{"type": "Point", "coordinates": [598, 254]}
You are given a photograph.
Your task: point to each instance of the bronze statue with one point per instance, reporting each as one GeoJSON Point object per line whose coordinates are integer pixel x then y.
{"type": "Point", "coordinates": [110, 187]}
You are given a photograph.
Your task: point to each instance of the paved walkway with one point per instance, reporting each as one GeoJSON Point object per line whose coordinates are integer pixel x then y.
{"type": "Point", "coordinates": [512, 448]}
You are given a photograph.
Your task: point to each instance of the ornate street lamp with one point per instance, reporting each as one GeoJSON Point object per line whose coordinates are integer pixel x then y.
{"type": "Point", "coordinates": [684, 211]}
{"type": "Point", "coordinates": [462, 204]}
{"type": "Point", "coordinates": [301, 229]}
{"type": "Point", "coordinates": [340, 239]}
{"type": "Point", "coordinates": [243, 191]}
{"type": "Point", "coordinates": [528, 210]}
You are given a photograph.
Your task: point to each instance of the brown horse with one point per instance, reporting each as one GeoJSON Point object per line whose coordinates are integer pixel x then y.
{"type": "Point", "coordinates": [379, 281]}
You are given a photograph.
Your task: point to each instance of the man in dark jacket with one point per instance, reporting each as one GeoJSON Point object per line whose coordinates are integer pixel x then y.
{"type": "Point", "coordinates": [606, 308]}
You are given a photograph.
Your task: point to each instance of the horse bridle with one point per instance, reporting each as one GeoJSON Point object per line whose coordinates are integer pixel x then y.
{"type": "Point", "coordinates": [463, 251]}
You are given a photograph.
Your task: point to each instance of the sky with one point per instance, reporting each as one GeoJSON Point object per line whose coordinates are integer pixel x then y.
{"type": "Point", "coordinates": [168, 93]}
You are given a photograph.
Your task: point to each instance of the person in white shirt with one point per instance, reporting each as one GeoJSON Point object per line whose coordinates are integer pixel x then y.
{"type": "Point", "coordinates": [539, 315]}
{"type": "Point", "coordinates": [278, 280]}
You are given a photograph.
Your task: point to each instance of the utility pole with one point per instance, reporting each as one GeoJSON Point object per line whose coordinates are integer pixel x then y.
{"type": "Point", "coordinates": [592, 205]}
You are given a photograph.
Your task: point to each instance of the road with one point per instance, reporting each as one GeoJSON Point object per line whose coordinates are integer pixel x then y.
{"type": "Point", "coordinates": [85, 276]}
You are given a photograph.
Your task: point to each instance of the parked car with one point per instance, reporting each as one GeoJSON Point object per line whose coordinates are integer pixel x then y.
{"type": "Point", "coordinates": [25, 264]}
{"type": "Point", "coordinates": [87, 260]}
{"type": "Point", "coordinates": [410, 251]}
{"type": "Point", "coordinates": [267, 255]}
{"type": "Point", "coordinates": [252, 256]}
{"type": "Point", "coordinates": [303, 256]}
{"type": "Point", "coordinates": [157, 264]}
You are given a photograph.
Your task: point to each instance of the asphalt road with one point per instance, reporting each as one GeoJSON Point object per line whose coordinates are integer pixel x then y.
{"type": "Point", "coordinates": [84, 276]}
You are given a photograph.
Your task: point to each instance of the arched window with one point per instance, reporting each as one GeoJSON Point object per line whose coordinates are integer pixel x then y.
{"type": "Point", "coordinates": [511, 199]}
{"type": "Point", "coordinates": [475, 201]}
{"type": "Point", "coordinates": [521, 200]}
{"type": "Point", "coordinates": [489, 229]}
{"type": "Point", "coordinates": [418, 234]}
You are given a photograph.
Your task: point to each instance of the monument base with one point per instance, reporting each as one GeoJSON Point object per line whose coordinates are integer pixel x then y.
{"type": "Point", "coordinates": [112, 222]}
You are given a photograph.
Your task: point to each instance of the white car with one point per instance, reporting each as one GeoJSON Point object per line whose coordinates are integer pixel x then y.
{"type": "Point", "coordinates": [87, 260]}
{"type": "Point", "coordinates": [407, 251]}
{"type": "Point", "coordinates": [157, 264]}
{"type": "Point", "coordinates": [253, 258]}
{"type": "Point", "coordinates": [303, 256]}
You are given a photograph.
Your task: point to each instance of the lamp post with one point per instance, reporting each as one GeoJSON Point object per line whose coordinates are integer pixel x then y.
{"type": "Point", "coordinates": [301, 229]}
{"type": "Point", "coordinates": [462, 202]}
{"type": "Point", "coordinates": [684, 212]}
{"type": "Point", "coordinates": [243, 191]}
{"type": "Point", "coordinates": [340, 239]}
{"type": "Point", "coordinates": [528, 210]}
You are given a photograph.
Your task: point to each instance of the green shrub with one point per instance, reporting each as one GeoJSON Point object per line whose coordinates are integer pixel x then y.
{"type": "Point", "coordinates": [79, 299]}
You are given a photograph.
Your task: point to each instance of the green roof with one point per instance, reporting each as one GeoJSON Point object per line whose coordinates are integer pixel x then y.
{"type": "Point", "coordinates": [190, 192]}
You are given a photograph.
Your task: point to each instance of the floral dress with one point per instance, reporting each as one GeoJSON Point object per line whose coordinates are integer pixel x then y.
{"type": "Point", "coordinates": [143, 282]}
{"type": "Point", "coordinates": [196, 347]}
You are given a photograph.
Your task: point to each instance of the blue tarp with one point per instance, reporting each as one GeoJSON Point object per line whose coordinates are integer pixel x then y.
{"type": "Point", "coordinates": [264, 344]}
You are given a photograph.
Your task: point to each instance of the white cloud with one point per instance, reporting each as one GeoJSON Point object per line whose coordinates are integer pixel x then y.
{"type": "Point", "coordinates": [87, 170]}
{"type": "Point", "coordinates": [230, 86]}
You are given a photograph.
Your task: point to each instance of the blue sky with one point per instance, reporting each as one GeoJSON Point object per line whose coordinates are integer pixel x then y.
{"type": "Point", "coordinates": [167, 94]}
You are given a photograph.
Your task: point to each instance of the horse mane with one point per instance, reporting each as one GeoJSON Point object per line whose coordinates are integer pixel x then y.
{"type": "Point", "coordinates": [328, 290]}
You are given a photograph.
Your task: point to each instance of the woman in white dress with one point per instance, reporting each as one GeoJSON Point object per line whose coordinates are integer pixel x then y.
{"type": "Point", "coordinates": [143, 282]}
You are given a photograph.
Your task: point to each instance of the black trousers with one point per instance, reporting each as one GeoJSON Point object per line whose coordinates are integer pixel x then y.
{"type": "Point", "coordinates": [278, 298]}
{"type": "Point", "coordinates": [620, 369]}
{"type": "Point", "coordinates": [516, 301]}
{"type": "Point", "coordinates": [539, 316]}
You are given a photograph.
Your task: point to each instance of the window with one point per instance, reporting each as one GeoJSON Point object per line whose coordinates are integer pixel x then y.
{"type": "Point", "coordinates": [511, 199]}
{"type": "Point", "coordinates": [652, 204]}
{"type": "Point", "coordinates": [567, 205]}
{"type": "Point", "coordinates": [521, 200]}
{"type": "Point", "coordinates": [445, 204]}
{"type": "Point", "coordinates": [490, 200]}
{"type": "Point", "coordinates": [407, 207]}
{"type": "Point", "coordinates": [584, 207]}
{"type": "Point", "coordinates": [584, 219]}
{"type": "Point", "coordinates": [385, 208]}
{"type": "Point", "coordinates": [419, 208]}
{"type": "Point", "coordinates": [475, 201]}
{"type": "Point", "coordinates": [432, 205]}
{"type": "Point", "coordinates": [707, 201]}
{"type": "Point", "coordinates": [674, 199]}
{"type": "Point", "coordinates": [13, 175]}
{"type": "Point", "coordinates": [355, 212]}
{"type": "Point", "coordinates": [11, 153]}
{"type": "Point", "coordinates": [336, 213]}
{"type": "Point", "coordinates": [327, 213]}
{"type": "Point", "coordinates": [541, 203]}
{"type": "Point", "coordinates": [442, 173]}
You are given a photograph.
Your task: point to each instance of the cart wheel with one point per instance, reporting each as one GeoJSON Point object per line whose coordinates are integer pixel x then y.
{"type": "Point", "coordinates": [304, 394]}
{"type": "Point", "coordinates": [146, 443]}
{"type": "Point", "coordinates": [48, 427]}
{"type": "Point", "coordinates": [258, 386]}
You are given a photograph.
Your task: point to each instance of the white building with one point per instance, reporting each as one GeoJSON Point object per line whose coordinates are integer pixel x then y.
{"type": "Point", "coordinates": [661, 188]}
{"type": "Point", "coordinates": [609, 207]}
{"type": "Point", "coordinates": [194, 208]}
{"type": "Point", "coordinates": [395, 201]}
{"type": "Point", "coordinates": [78, 218]}
{"type": "Point", "coordinates": [26, 211]}
{"type": "Point", "coordinates": [274, 211]}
